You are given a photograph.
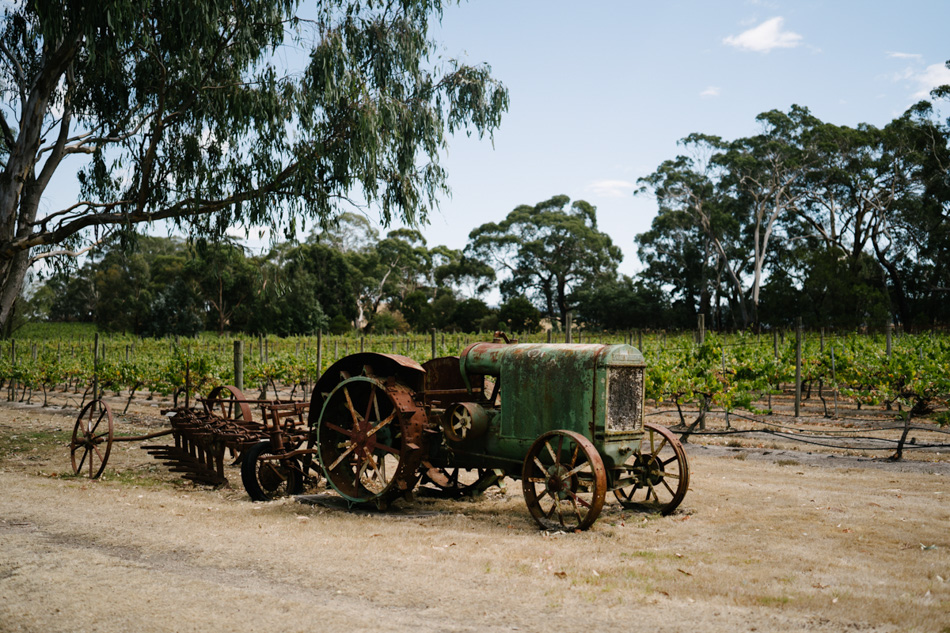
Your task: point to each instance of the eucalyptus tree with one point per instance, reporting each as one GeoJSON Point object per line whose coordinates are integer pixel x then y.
{"type": "Point", "coordinates": [182, 111]}
{"type": "Point", "coordinates": [765, 175]}
{"type": "Point", "coordinates": [396, 266]}
{"type": "Point", "coordinates": [694, 243]}
{"type": "Point", "coordinates": [547, 252]}
{"type": "Point", "coordinates": [225, 278]}
{"type": "Point", "coordinates": [464, 275]}
{"type": "Point", "coordinates": [873, 193]}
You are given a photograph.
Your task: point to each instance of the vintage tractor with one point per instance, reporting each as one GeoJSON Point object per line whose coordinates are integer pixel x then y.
{"type": "Point", "coordinates": [565, 419]}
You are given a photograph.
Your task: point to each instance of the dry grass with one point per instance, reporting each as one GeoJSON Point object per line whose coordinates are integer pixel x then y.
{"type": "Point", "coordinates": [770, 546]}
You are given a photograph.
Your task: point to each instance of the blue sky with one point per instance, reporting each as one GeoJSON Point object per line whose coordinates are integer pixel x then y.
{"type": "Point", "coordinates": [602, 91]}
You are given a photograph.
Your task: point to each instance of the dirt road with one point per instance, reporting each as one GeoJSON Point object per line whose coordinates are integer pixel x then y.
{"type": "Point", "coordinates": [788, 543]}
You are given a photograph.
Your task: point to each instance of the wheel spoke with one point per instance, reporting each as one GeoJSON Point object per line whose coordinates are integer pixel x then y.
{"type": "Point", "coordinates": [370, 403]}
{"type": "Point", "coordinates": [82, 460]}
{"type": "Point", "coordinates": [574, 456]}
{"type": "Point", "coordinates": [537, 462]}
{"type": "Point", "coordinates": [339, 429]}
{"type": "Point", "coordinates": [667, 486]}
{"type": "Point", "coordinates": [349, 405]}
{"type": "Point", "coordinates": [342, 456]}
{"type": "Point", "coordinates": [575, 471]}
{"type": "Point", "coordinates": [577, 511]}
{"type": "Point", "coordinates": [388, 449]}
{"type": "Point", "coordinates": [655, 452]}
{"type": "Point", "coordinates": [371, 465]}
{"type": "Point", "coordinates": [279, 472]}
{"type": "Point", "coordinates": [557, 506]}
{"type": "Point", "coordinates": [577, 499]}
{"type": "Point", "coordinates": [382, 423]}
{"type": "Point", "coordinates": [554, 504]}
{"type": "Point", "coordinates": [102, 416]}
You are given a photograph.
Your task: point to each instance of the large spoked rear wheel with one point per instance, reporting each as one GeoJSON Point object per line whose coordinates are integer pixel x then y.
{"type": "Point", "coordinates": [655, 477]}
{"type": "Point", "coordinates": [367, 444]}
{"type": "Point", "coordinates": [92, 437]}
{"type": "Point", "coordinates": [267, 479]}
{"type": "Point", "coordinates": [564, 481]}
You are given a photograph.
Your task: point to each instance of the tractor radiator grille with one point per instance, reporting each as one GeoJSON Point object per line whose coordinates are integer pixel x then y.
{"type": "Point", "coordinates": [624, 399]}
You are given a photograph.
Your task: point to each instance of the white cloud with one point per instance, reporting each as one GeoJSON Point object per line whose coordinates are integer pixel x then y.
{"type": "Point", "coordinates": [897, 55]}
{"type": "Point", "coordinates": [932, 76]}
{"type": "Point", "coordinates": [711, 91]}
{"type": "Point", "coordinates": [611, 188]}
{"type": "Point", "coordinates": [764, 37]}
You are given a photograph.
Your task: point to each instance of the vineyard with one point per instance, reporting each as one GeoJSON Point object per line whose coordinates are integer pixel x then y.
{"type": "Point", "coordinates": [726, 374]}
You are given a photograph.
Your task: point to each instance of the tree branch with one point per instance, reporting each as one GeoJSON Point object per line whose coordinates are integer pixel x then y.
{"type": "Point", "coordinates": [66, 253]}
{"type": "Point", "coordinates": [184, 208]}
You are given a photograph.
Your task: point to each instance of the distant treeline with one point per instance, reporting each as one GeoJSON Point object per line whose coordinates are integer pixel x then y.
{"type": "Point", "coordinates": [844, 227]}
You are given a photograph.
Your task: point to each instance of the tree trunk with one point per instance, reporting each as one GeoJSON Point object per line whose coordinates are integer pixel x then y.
{"type": "Point", "coordinates": [897, 287]}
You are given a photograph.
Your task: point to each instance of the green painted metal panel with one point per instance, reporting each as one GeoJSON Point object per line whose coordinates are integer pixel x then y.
{"type": "Point", "coordinates": [596, 390]}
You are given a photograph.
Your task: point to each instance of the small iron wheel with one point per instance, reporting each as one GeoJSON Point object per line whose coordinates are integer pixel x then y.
{"type": "Point", "coordinates": [92, 439]}
{"type": "Point", "coordinates": [362, 443]}
{"type": "Point", "coordinates": [564, 481]}
{"type": "Point", "coordinates": [267, 479]}
{"type": "Point", "coordinates": [451, 482]}
{"type": "Point", "coordinates": [228, 402]}
{"type": "Point", "coordinates": [655, 477]}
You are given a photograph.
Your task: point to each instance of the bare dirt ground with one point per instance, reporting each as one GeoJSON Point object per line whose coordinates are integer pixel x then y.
{"type": "Point", "coordinates": [771, 537]}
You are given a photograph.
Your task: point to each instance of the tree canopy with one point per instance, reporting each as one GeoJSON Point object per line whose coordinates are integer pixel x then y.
{"type": "Point", "coordinates": [181, 113]}
{"type": "Point", "coordinates": [842, 226]}
{"type": "Point", "coordinates": [548, 252]}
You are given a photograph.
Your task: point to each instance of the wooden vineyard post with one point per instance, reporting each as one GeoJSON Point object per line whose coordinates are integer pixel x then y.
{"type": "Point", "coordinates": [239, 364]}
{"type": "Point", "coordinates": [319, 355]}
{"type": "Point", "coordinates": [434, 354]}
{"type": "Point", "coordinates": [13, 385]}
{"type": "Point", "coordinates": [798, 366]}
{"type": "Point", "coordinates": [890, 332]}
{"type": "Point", "coordinates": [834, 379]}
{"type": "Point", "coordinates": [95, 368]}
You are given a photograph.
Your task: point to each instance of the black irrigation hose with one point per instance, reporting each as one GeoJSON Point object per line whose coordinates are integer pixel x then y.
{"type": "Point", "coordinates": [897, 427]}
{"type": "Point", "coordinates": [890, 443]}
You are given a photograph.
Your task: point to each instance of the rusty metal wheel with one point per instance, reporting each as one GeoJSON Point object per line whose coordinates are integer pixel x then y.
{"type": "Point", "coordinates": [655, 477]}
{"type": "Point", "coordinates": [227, 401]}
{"type": "Point", "coordinates": [450, 482]}
{"type": "Point", "coordinates": [564, 481]}
{"type": "Point", "coordinates": [266, 479]}
{"type": "Point", "coordinates": [92, 438]}
{"type": "Point", "coordinates": [369, 436]}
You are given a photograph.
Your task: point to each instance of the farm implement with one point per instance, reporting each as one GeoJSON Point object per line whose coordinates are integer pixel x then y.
{"type": "Point", "coordinates": [567, 420]}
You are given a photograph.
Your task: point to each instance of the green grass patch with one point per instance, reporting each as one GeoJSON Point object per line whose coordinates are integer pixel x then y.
{"type": "Point", "coordinates": [26, 442]}
{"type": "Point", "coordinates": [150, 478]}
